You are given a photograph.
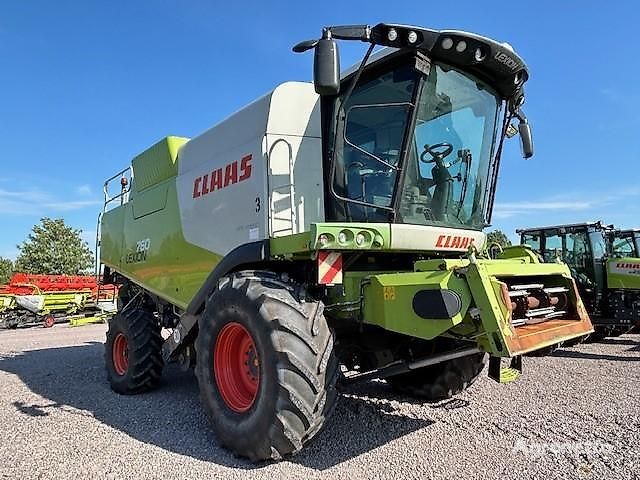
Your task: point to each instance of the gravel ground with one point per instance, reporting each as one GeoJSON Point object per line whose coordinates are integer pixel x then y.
{"type": "Point", "coordinates": [575, 414]}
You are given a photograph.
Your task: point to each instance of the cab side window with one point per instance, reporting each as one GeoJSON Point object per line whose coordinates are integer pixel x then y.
{"type": "Point", "coordinates": [623, 247]}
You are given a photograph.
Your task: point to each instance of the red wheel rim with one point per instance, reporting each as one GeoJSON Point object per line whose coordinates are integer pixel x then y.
{"type": "Point", "coordinates": [236, 367]}
{"type": "Point", "coordinates": [49, 321]}
{"type": "Point", "coordinates": [120, 354]}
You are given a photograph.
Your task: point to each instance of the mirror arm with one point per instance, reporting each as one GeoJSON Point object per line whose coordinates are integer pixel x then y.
{"type": "Point", "coordinates": [356, 77]}
{"type": "Point", "coordinates": [519, 114]}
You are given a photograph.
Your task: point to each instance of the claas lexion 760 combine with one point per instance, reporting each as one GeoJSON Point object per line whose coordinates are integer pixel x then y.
{"type": "Point", "coordinates": [331, 232]}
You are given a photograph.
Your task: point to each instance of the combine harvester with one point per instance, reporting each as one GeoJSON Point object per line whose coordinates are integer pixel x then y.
{"type": "Point", "coordinates": [333, 228]}
{"type": "Point", "coordinates": [49, 299]}
{"type": "Point", "coordinates": [605, 264]}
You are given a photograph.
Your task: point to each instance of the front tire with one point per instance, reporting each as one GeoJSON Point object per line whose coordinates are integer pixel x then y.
{"type": "Point", "coordinates": [133, 352]}
{"type": "Point", "coordinates": [265, 366]}
{"type": "Point", "coordinates": [440, 381]}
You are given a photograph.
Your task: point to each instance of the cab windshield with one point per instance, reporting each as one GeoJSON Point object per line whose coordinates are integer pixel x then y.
{"type": "Point", "coordinates": [448, 165]}
{"type": "Point", "coordinates": [427, 139]}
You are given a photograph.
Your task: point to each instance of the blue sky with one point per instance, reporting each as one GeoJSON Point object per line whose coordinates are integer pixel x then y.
{"type": "Point", "coordinates": [87, 85]}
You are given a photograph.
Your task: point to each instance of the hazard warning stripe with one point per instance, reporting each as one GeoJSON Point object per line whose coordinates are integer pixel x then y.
{"type": "Point", "coordinates": [329, 268]}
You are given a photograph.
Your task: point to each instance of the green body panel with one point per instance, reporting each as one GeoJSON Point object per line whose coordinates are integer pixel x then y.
{"type": "Point", "coordinates": [151, 250]}
{"type": "Point", "coordinates": [387, 298]}
{"type": "Point", "coordinates": [623, 273]}
{"type": "Point", "coordinates": [377, 235]}
{"type": "Point", "coordinates": [157, 163]}
{"type": "Point", "coordinates": [523, 252]}
{"type": "Point", "coordinates": [7, 302]}
{"type": "Point", "coordinates": [291, 245]}
{"type": "Point", "coordinates": [64, 302]}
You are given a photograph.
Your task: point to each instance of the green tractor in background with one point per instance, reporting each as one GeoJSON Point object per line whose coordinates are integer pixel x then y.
{"type": "Point", "coordinates": [605, 265]}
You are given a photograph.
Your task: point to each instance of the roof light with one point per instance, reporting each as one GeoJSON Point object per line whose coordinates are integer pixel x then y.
{"type": "Point", "coordinates": [392, 35]}
{"type": "Point", "coordinates": [461, 46]}
{"type": "Point", "coordinates": [342, 237]}
{"type": "Point", "coordinates": [360, 239]}
{"type": "Point", "coordinates": [412, 37]}
{"type": "Point", "coordinates": [479, 55]}
{"type": "Point", "coordinates": [447, 43]}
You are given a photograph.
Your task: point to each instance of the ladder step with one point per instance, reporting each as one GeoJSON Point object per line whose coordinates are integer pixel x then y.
{"type": "Point", "coordinates": [508, 375]}
{"type": "Point", "coordinates": [505, 374]}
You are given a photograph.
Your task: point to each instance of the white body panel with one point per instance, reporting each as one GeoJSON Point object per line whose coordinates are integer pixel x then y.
{"type": "Point", "coordinates": [238, 175]}
{"type": "Point", "coordinates": [420, 237]}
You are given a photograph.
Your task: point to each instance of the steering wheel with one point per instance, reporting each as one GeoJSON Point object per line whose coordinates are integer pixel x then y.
{"type": "Point", "coordinates": [438, 152]}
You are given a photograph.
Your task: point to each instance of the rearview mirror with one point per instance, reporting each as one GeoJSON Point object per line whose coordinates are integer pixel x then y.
{"type": "Point", "coordinates": [526, 142]}
{"type": "Point", "coordinates": [326, 67]}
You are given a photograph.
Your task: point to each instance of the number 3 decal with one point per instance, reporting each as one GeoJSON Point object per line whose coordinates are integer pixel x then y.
{"type": "Point", "coordinates": [257, 204]}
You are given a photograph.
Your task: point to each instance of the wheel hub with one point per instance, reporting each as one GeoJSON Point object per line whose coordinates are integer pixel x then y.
{"type": "Point", "coordinates": [120, 354]}
{"type": "Point", "coordinates": [236, 367]}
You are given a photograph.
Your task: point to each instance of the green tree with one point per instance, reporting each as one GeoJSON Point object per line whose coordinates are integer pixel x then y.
{"type": "Point", "coordinates": [499, 237]}
{"type": "Point", "coordinates": [54, 248]}
{"type": "Point", "coordinates": [6, 270]}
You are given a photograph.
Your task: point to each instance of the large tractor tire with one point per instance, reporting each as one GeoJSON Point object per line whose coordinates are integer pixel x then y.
{"type": "Point", "coordinates": [265, 366]}
{"type": "Point", "coordinates": [575, 341]}
{"type": "Point", "coordinates": [440, 381]}
{"type": "Point", "coordinates": [599, 333]}
{"type": "Point", "coordinates": [133, 351]}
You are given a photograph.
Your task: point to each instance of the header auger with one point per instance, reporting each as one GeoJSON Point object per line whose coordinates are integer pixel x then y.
{"type": "Point", "coordinates": [328, 226]}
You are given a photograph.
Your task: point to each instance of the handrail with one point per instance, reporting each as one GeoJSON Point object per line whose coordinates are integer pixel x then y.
{"type": "Point", "coordinates": [125, 188]}
{"type": "Point", "coordinates": [291, 191]}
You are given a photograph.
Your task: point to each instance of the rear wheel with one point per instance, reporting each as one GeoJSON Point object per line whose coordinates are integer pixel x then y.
{"type": "Point", "coordinates": [49, 321]}
{"type": "Point", "coordinates": [440, 381]}
{"type": "Point", "coordinates": [599, 333]}
{"type": "Point", "coordinates": [265, 366]}
{"type": "Point", "coordinates": [133, 352]}
{"type": "Point", "coordinates": [575, 341]}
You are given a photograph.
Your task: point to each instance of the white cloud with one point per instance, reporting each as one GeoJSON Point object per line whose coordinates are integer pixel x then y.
{"type": "Point", "coordinates": [571, 202]}
{"type": "Point", "coordinates": [84, 190]}
{"type": "Point", "coordinates": [33, 202]}
{"type": "Point", "coordinates": [510, 209]}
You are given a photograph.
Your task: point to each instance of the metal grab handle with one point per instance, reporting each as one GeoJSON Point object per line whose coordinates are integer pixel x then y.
{"type": "Point", "coordinates": [290, 187]}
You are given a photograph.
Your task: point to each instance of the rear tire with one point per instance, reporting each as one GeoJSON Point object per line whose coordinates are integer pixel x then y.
{"type": "Point", "coordinates": [544, 352]}
{"type": "Point", "coordinates": [440, 381]}
{"type": "Point", "coordinates": [133, 352]}
{"type": "Point", "coordinates": [599, 333]}
{"type": "Point", "coordinates": [49, 321]}
{"type": "Point", "coordinates": [283, 403]}
{"type": "Point", "coordinates": [575, 341]}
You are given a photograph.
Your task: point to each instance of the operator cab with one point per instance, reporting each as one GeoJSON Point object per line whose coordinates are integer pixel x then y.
{"type": "Point", "coordinates": [414, 133]}
{"type": "Point", "coordinates": [582, 246]}
{"type": "Point", "coordinates": [625, 243]}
